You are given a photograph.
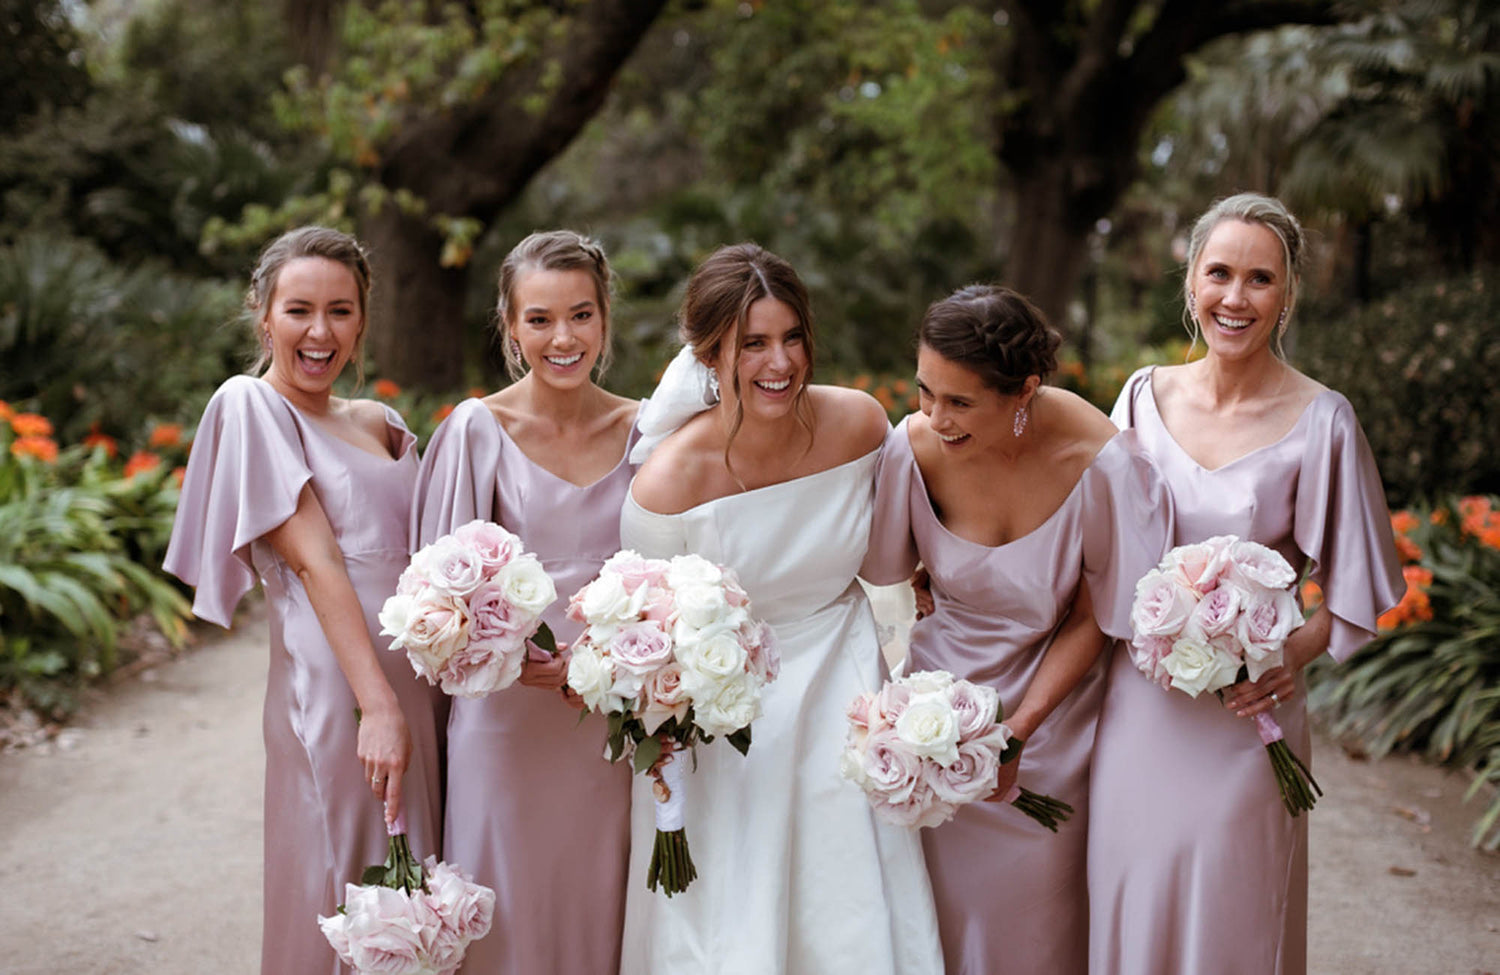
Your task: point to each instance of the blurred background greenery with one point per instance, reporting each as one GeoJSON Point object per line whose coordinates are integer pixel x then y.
{"type": "Point", "coordinates": [893, 150]}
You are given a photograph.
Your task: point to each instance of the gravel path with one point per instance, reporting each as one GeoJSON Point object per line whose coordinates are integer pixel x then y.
{"type": "Point", "coordinates": [131, 845]}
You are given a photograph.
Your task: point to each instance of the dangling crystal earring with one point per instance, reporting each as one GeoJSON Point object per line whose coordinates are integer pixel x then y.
{"type": "Point", "coordinates": [1018, 427]}
{"type": "Point", "coordinates": [1281, 322]}
{"type": "Point", "coordinates": [1192, 304]}
{"type": "Point", "coordinates": [713, 386]}
{"type": "Point", "coordinates": [265, 339]}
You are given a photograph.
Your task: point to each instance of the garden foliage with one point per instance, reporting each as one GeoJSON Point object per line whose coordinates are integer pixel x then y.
{"type": "Point", "coordinates": [1430, 682]}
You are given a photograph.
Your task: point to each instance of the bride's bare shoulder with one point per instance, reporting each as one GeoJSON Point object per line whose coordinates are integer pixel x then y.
{"type": "Point", "coordinates": [852, 419]}
{"type": "Point", "coordinates": [672, 479]}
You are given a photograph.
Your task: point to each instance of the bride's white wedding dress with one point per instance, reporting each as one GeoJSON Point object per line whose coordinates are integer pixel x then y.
{"type": "Point", "coordinates": [795, 874]}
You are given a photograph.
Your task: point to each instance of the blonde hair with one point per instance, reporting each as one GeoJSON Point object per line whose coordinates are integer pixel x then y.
{"type": "Point", "coordinates": [1256, 208]}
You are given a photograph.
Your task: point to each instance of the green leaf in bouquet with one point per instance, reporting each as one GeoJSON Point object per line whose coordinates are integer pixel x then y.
{"type": "Point", "coordinates": [1012, 750]}
{"type": "Point", "coordinates": [543, 638]}
{"type": "Point", "coordinates": [741, 740]}
{"type": "Point", "coordinates": [646, 753]}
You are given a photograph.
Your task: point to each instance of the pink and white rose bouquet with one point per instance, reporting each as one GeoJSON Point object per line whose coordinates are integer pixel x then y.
{"type": "Point", "coordinates": [671, 655]}
{"type": "Point", "coordinates": [1212, 614]}
{"type": "Point", "coordinates": [927, 743]}
{"type": "Point", "coordinates": [406, 918]}
{"type": "Point", "coordinates": [466, 606]}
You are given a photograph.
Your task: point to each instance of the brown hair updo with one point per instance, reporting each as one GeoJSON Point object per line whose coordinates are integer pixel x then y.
{"type": "Point", "coordinates": [994, 331]}
{"type": "Point", "coordinates": [716, 307]}
{"type": "Point", "coordinates": [324, 242]}
{"type": "Point", "coordinates": [551, 250]}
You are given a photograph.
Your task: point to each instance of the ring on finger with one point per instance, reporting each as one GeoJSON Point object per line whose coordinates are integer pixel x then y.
{"type": "Point", "coordinates": [1275, 701]}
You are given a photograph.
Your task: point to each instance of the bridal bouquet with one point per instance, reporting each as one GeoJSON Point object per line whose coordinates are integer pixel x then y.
{"type": "Point", "coordinates": [672, 657]}
{"type": "Point", "coordinates": [1213, 614]}
{"type": "Point", "coordinates": [406, 918]}
{"type": "Point", "coordinates": [465, 607]}
{"type": "Point", "coordinates": [926, 743]}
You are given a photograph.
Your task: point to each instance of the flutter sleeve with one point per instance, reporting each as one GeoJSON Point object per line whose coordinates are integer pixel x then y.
{"type": "Point", "coordinates": [892, 554]}
{"type": "Point", "coordinates": [243, 479]}
{"type": "Point", "coordinates": [1127, 528]}
{"type": "Point", "coordinates": [1342, 525]}
{"type": "Point", "coordinates": [456, 482]}
{"type": "Point", "coordinates": [1124, 412]}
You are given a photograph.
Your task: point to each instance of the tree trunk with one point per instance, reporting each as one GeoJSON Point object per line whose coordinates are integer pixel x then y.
{"type": "Point", "coordinates": [1048, 249]}
{"type": "Point", "coordinates": [416, 306]}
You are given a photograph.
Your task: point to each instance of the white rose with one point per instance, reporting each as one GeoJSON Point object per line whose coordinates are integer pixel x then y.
{"type": "Point", "coordinates": [449, 566]}
{"type": "Point", "coordinates": [735, 705]}
{"type": "Point", "coordinates": [700, 606]}
{"type": "Point", "coordinates": [526, 585]}
{"type": "Point", "coordinates": [709, 664]}
{"type": "Point", "coordinates": [928, 681]}
{"type": "Point", "coordinates": [1197, 665]}
{"type": "Point", "coordinates": [591, 676]}
{"type": "Point", "coordinates": [692, 570]}
{"type": "Point", "coordinates": [394, 616]}
{"type": "Point", "coordinates": [606, 602]}
{"type": "Point", "coordinates": [930, 728]}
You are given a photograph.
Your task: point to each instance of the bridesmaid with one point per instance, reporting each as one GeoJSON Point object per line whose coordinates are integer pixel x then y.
{"type": "Point", "coordinates": [533, 809]}
{"type": "Point", "coordinates": [310, 493]}
{"type": "Point", "coordinates": [1033, 516]}
{"type": "Point", "coordinates": [1198, 867]}
{"type": "Point", "coordinates": [772, 474]}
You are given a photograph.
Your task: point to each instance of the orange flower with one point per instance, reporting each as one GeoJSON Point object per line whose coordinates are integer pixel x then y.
{"type": "Point", "coordinates": [7, 412]}
{"type": "Point", "coordinates": [140, 462]}
{"type": "Point", "coordinates": [441, 413]}
{"type": "Point", "coordinates": [1404, 522]}
{"type": "Point", "coordinates": [1408, 550]}
{"type": "Point", "coordinates": [476, 392]}
{"type": "Point", "coordinates": [1312, 595]}
{"type": "Point", "coordinates": [862, 381]}
{"type": "Point", "coordinates": [883, 394]}
{"type": "Point", "coordinates": [178, 473]}
{"type": "Point", "coordinates": [900, 387]}
{"type": "Point", "coordinates": [43, 449]}
{"type": "Point", "coordinates": [97, 439]}
{"type": "Point", "coordinates": [1439, 516]}
{"type": "Point", "coordinates": [31, 425]}
{"type": "Point", "coordinates": [1415, 606]}
{"type": "Point", "coordinates": [166, 435]}
{"type": "Point", "coordinates": [386, 389]}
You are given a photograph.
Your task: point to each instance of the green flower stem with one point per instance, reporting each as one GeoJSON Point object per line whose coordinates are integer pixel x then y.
{"type": "Point", "coordinates": [1044, 809]}
{"type": "Point", "coordinates": [1299, 790]}
{"type": "Point", "coordinates": [671, 865]}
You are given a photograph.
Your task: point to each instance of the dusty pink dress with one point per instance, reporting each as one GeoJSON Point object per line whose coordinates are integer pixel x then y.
{"type": "Point", "coordinates": [1198, 867]}
{"type": "Point", "coordinates": [1012, 896]}
{"type": "Point", "coordinates": [253, 453]}
{"type": "Point", "coordinates": [533, 809]}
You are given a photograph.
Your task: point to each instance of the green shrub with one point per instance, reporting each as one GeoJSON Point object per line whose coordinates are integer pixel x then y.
{"type": "Point", "coordinates": [79, 550]}
{"type": "Point", "coordinates": [1420, 368]}
{"type": "Point", "coordinates": [1430, 682]}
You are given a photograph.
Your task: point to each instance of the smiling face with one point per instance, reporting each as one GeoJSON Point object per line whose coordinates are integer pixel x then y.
{"type": "Point", "coordinates": [314, 324]}
{"type": "Point", "coordinates": [1239, 288]}
{"type": "Point", "coordinates": [773, 362]}
{"type": "Point", "coordinates": [966, 415]}
{"type": "Point", "coordinates": [559, 325]}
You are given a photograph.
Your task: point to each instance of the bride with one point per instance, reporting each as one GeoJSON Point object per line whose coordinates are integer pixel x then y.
{"type": "Point", "coordinates": [753, 467]}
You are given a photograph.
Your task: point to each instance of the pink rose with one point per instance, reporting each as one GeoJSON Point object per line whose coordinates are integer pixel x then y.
{"type": "Point", "coordinates": [734, 593]}
{"type": "Point", "coordinates": [972, 776]}
{"type": "Point", "coordinates": [1148, 652]}
{"type": "Point", "coordinates": [664, 698]}
{"type": "Point", "coordinates": [492, 615]}
{"type": "Point", "coordinates": [975, 707]}
{"type": "Point", "coordinates": [1217, 611]}
{"type": "Point", "coordinates": [1267, 619]}
{"type": "Point", "coordinates": [411, 581]}
{"type": "Point", "coordinates": [450, 566]}
{"type": "Point", "coordinates": [660, 608]}
{"type": "Point", "coordinates": [1253, 565]}
{"type": "Point", "coordinates": [920, 807]}
{"type": "Point", "coordinates": [482, 667]}
{"type": "Point", "coordinates": [466, 908]}
{"type": "Point", "coordinates": [1162, 605]}
{"type": "Point", "coordinates": [635, 571]}
{"type": "Point", "coordinates": [1200, 566]}
{"type": "Point", "coordinates": [389, 933]}
{"type": "Point", "coordinates": [858, 711]}
{"type": "Point", "coordinates": [437, 628]}
{"type": "Point", "coordinates": [494, 545]}
{"type": "Point", "coordinates": [891, 770]}
{"type": "Point", "coordinates": [890, 702]}
{"type": "Point", "coordinates": [764, 660]}
{"type": "Point", "coordinates": [640, 648]}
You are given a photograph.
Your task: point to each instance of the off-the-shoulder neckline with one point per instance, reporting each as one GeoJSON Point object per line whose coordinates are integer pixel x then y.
{"type": "Point", "coordinates": [752, 492]}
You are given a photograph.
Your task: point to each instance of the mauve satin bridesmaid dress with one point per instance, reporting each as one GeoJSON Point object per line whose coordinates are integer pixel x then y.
{"type": "Point", "coordinates": [1012, 896]}
{"type": "Point", "coordinates": [533, 809]}
{"type": "Point", "coordinates": [252, 455]}
{"type": "Point", "coordinates": [1198, 867]}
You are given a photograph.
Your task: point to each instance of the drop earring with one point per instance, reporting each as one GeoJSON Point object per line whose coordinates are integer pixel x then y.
{"type": "Point", "coordinates": [713, 386]}
{"type": "Point", "coordinates": [1018, 426]}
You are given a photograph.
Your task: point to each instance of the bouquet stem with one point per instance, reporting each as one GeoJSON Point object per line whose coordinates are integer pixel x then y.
{"type": "Point", "coordinates": [1044, 809]}
{"type": "Point", "coordinates": [671, 863]}
{"type": "Point", "coordinates": [1299, 790]}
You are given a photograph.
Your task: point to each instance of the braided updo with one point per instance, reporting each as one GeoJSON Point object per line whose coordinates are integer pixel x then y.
{"type": "Point", "coordinates": [994, 331]}
{"type": "Point", "coordinates": [551, 250]}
